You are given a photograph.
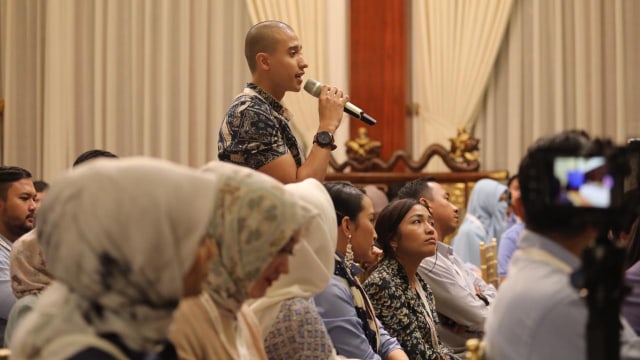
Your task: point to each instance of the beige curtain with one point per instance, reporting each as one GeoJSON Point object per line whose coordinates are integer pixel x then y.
{"type": "Point", "coordinates": [564, 64]}
{"type": "Point", "coordinates": [22, 37]}
{"type": "Point", "coordinates": [324, 40]}
{"type": "Point", "coordinates": [454, 46]}
{"type": "Point", "coordinates": [136, 77]}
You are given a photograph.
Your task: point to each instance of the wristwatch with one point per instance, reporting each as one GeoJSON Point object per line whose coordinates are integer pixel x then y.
{"type": "Point", "coordinates": [325, 140]}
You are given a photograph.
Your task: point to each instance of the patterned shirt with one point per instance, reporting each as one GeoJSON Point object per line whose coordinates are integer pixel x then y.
{"type": "Point", "coordinates": [402, 311]}
{"type": "Point", "coordinates": [256, 131]}
{"type": "Point", "coordinates": [298, 333]}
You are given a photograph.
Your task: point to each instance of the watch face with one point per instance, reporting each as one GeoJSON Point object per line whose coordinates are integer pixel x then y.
{"type": "Point", "coordinates": [325, 138]}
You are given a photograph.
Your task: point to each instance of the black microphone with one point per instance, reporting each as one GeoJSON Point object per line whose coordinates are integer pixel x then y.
{"type": "Point", "coordinates": [314, 88]}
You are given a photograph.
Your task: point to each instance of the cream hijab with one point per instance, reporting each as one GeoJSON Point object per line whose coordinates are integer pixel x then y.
{"type": "Point", "coordinates": [311, 266]}
{"type": "Point", "coordinates": [28, 270]}
{"type": "Point", "coordinates": [257, 217]}
{"type": "Point", "coordinates": [119, 236]}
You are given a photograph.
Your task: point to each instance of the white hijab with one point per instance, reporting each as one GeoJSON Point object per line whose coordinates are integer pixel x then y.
{"type": "Point", "coordinates": [118, 235]}
{"type": "Point", "coordinates": [311, 266]}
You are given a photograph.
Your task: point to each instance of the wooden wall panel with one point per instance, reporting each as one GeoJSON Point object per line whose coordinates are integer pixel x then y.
{"type": "Point", "coordinates": [378, 70]}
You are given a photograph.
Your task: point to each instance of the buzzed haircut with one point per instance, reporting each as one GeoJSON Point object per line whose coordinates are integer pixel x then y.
{"type": "Point", "coordinates": [262, 37]}
{"type": "Point", "coordinates": [415, 189]}
{"type": "Point", "coordinates": [40, 185]}
{"type": "Point", "coordinates": [92, 154]}
{"type": "Point", "coordinates": [9, 175]}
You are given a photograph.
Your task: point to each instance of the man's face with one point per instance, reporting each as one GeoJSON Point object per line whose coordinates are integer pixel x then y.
{"type": "Point", "coordinates": [445, 214]}
{"type": "Point", "coordinates": [18, 210]}
{"type": "Point", "coordinates": [286, 63]}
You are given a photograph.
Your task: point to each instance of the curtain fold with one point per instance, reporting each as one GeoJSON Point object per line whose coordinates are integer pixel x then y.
{"type": "Point", "coordinates": [135, 77]}
{"type": "Point", "coordinates": [454, 46]}
{"type": "Point", "coordinates": [563, 65]}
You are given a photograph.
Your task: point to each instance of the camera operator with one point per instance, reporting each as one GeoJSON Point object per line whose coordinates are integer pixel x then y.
{"type": "Point", "coordinates": [538, 313]}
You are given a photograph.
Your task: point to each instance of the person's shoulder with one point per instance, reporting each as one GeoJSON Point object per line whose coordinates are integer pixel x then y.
{"type": "Point", "coordinates": [248, 103]}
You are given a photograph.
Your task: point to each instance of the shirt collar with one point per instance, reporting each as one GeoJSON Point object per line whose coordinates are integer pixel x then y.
{"type": "Point", "coordinates": [275, 104]}
{"type": "Point", "coordinates": [530, 239]}
{"type": "Point", "coordinates": [444, 249]}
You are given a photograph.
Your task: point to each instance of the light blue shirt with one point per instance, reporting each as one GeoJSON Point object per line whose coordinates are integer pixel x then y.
{"type": "Point", "coordinates": [538, 314]}
{"type": "Point", "coordinates": [7, 299]}
{"type": "Point", "coordinates": [508, 245]}
{"type": "Point", "coordinates": [336, 307]}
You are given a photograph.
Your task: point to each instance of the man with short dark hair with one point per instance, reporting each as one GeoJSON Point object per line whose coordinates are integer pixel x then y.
{"type": "Point", "coordinates": [538, 314]}
{"type": "Point", "coordinates": [17, 217]}
{"type": "Point", "coordinates": [462, 298]}
{"type": "Point", "coordinates": [41, 187]}
{"type": "Point", "coordinates": [256, 132]}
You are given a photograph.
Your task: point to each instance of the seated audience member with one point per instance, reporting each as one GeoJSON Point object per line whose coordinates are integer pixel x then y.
{"type": "Point", "coordinates": [401, 298]}
{"type": "Point", "coordinates": [343, 305]}
{"type": "Point", "coordinates": [537, 313]}
{"type": "Point", "coordinates": [631, 304]}
{"type": "Point", "coordinates": [17, 217]}
{"type": "Point", "coordinates": [289, 320]}
{"type": "Point", "coordinates": [509, 239]}
{"type": "Point", "coordinates": [29, 276]}
{"type": "Point", "coordinates": [120, 270]}
{"type": "Point", "coordinates": [93, 154]}
{"type": "Point", "coordinates": [41, 191]}
{"type": "Point", "coordinates": [378, 198]}
{"type": "Point", "coordinates": [257, 228]}
{"type": "Point", "coordinates": [462, 298]}
{"type": "Point", "coordinates": [486, 218]}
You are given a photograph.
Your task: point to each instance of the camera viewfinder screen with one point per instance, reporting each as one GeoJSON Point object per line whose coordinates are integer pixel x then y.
{"type": "Point", "coordinates": [582, 182]}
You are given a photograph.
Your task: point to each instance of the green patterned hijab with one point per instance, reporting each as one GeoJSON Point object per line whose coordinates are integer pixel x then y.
{"type": "Point", "coordinates": [258, 219]}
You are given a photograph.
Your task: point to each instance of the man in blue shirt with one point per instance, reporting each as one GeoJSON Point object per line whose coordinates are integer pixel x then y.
{"type": "Point", "coordinates": [537, 313]}
{"type": "Point", "coordinates": [17, 217]}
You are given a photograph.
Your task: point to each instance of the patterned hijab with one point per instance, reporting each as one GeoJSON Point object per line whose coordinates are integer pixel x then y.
{"type": "Point", "coordinates": [27, 268]}
{"type": "Point", "coordinates": [311, 265]}
{"type": "Point", "coordinates": [256, 218]}
{"type": "Point", "coordinates": [119, 235]}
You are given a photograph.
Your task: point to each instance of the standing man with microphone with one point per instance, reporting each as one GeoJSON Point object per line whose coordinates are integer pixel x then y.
{"type": "Point", "coordinates": [256, 132]}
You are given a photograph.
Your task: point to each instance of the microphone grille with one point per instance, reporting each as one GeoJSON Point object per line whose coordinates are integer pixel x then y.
{"type": "Point", "coordinates": [313, 87]}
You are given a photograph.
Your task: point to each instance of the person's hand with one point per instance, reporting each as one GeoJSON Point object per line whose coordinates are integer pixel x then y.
{"type": "Point", "coordinates": [376, 255]}
{"type": "Point", "coordinates": [330, 108]}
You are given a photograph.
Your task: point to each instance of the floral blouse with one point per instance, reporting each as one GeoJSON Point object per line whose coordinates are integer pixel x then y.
{"type": "Point", "coordinates": [402, 311]}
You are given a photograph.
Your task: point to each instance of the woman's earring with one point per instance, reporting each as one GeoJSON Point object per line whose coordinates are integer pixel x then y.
{"type": "Point", "coordinates": [348, 256]}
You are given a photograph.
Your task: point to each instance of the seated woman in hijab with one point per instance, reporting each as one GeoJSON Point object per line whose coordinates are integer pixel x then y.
{"type": "Point", "coordinates": [259, 227]}
{"type": "Point", "coordinates": [486, 218]}
{"type": "Point", "coordinates": [29, 276]}
{"type": "Point", "coordinates": [344, 306]}
{"type": "Point", "coordinates": [123, 254]}
{"type": "Point", "coordinates": [288, 317]}
{"type": "Point", "coordinates": [401, 298]}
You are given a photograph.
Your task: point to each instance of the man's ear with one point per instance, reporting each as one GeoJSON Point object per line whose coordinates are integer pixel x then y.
{"type": "Point", "coordinates": [425, 202]}
{"type": "Point", "coordinates": [263, 61]}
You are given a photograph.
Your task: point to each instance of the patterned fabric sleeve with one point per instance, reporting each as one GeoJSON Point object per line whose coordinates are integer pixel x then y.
{"type": "Point", "coordinates": [250, 134]}
{"type": "Point", "coordinates": [298, 333]}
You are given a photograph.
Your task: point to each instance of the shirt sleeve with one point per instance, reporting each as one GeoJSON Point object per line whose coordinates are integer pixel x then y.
{"type": "Point", "coordinates": [298, 333]}
{"type": "Point", "coordinates": [454, 298]}
{"type": "Point", "coordinates": [250, 135]}
{"type": "Point", "coordinates": [506, 248]}
{"type": "Point", "coordinates": [7, 299]}
{"type": "Point", "coordinates": [335, 306]}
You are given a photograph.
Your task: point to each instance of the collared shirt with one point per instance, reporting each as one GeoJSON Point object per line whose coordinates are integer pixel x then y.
{"type": "Point", "coordinates": [508, 245]}
{"type": "Point", "coordinates": [336, 306]}
{"type": "Point", "coordinates": [454, 288]}
{"type": "Point", "coordinates": [538, 314]}
{"type": "Point", "coordinates": [7, 299]}
{"type": "Point", "coordinates": [256, 131]}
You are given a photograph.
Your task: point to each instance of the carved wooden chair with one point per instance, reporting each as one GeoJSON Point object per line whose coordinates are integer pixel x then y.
{"type": "Point", "coordinates": [489, 262]}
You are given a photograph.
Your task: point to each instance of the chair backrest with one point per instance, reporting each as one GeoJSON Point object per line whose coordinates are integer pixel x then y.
{"type": "Point", "coordinates": [489, 262]}
{"type": "Point", "coordinates": [475, 349]}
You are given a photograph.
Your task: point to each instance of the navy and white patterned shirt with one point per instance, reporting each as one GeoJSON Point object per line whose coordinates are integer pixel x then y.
{"type": "Point", "coordinates": [256, 131]}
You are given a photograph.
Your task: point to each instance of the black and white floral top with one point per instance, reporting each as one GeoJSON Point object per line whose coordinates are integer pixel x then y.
{"type": "Point", "coordinates": [403, 313]}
